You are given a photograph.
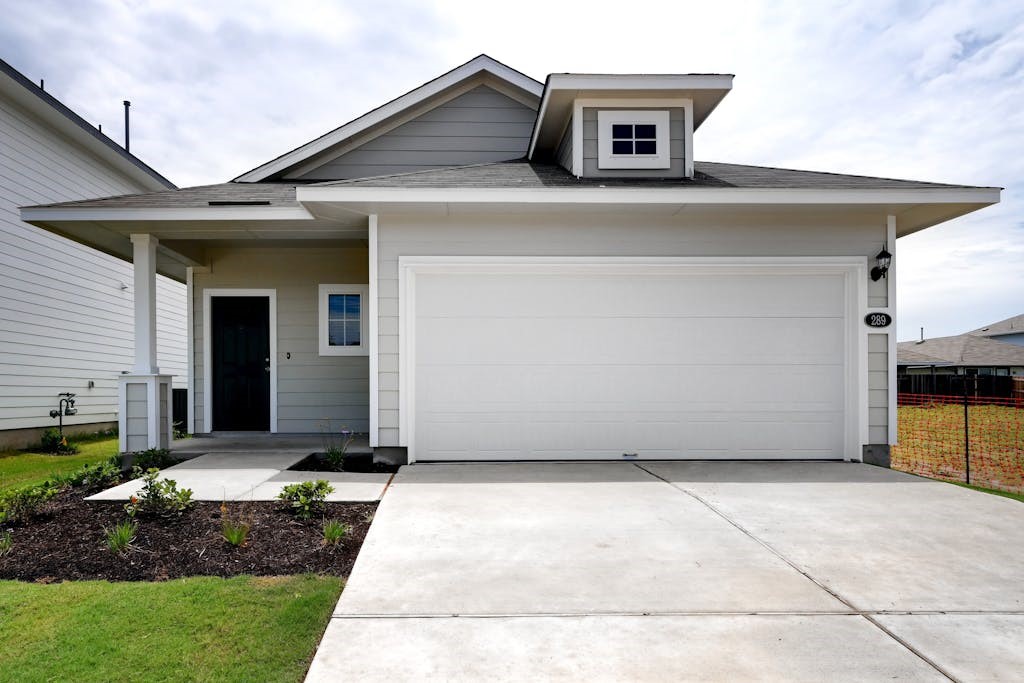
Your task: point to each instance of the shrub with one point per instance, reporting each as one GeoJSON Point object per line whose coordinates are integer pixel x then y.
{"type": "Point", "coordinates": [306, 498]}
{"type": "Point", "coordinates": [21, 504]}
{"type": "Point", "coordinates": [335, 531]}
{"type": "Point", "coordinates": [6, 542]}
{"type": "Point", "coordinates": [159, 458]}
{"type": "Point", "coordinates": [55, 442]}
{"type": "Point", "coordinates": [157, 497]}
{"type": "Point", "coordinates": [94, 476]}
{"type": "Point", "coordinates": [336, 449]}
{"type": "Point", "coordinates": [120, 538]}
{"type": "Point", "coordinates": [234, 530]}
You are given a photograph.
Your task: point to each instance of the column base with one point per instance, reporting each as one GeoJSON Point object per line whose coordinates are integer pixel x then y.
{"type": "Point", "coordinates": [144, 419]}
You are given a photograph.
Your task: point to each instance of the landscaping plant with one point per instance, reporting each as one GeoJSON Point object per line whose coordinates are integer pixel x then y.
{"type": "Point", "coordinates": [21, 504]}
{"type": "Point", "coordinates": [94, 476]}
{"type": "Point", "coordinates": [55, 442]}
{"type": "Point", "coordinates": [234, 530]}
{"type": "Point", "coordinates": [335, 531]}
{"type": "Point", "coordinates": [119, 539]}
{"type": "Point", "coordinates": [335, 449]}
{"type": "Point", "coordinates": [6, 542]}
{"type": "Point", "coordinates": [159, 458]}
{"type": "Point", "coordinates": [306, 498]}
{"type": "Point", "coordinates": [157, 497]}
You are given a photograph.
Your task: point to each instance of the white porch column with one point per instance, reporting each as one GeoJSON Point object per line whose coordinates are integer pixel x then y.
{"type": "Point", "coordinates": [144, 415]}
{"type": "Point", "coordinates": [144, 261]}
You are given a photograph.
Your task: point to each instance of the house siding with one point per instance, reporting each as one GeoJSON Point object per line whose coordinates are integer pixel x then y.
{"type": "Point", "coordinates": [676, 151]}
{"type": "Point", "coordinates": [479, 126]}
{"type": "Point", "coordinates": [610, 235]}
{"type": "Point", "coordinates": [564, 153]}
{"type": "Point", "coordinates": [311, 388]}
{"type": "Point", "coordinates": [66, 319]}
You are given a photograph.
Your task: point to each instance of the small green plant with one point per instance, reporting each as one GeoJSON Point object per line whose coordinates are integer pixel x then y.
{"type": "Point", "coordinates": [119, 539]}
{"type": "Point", "coordinates": [94, 476]}
{"type": "Point", "coordinates": [335, 531]}
{"type": "Point", "coordinates": [336, 446]}
{"type": "Point", "coordinates": [306, 498]}
{"type": "Point", "coordinates": [157, 497]}
{"type": "Point", "coordinates": [160, 458]}
{"type": "Point", "coordinates": [180, 432]}
{"type": "Point", "coordinates": [6, 542]}
{"type": "Point", "coordinates": [21, 504]}
{"type": "Point", "coordinates": [235, 530]}
{"type": "Point", "coordinates": [55, 442]}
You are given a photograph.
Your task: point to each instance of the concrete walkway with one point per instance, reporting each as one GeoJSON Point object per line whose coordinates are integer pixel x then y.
{"type": "Point", "coordinates": [681, 571]}
{"type": "Point", "coordinates": [242, 474]}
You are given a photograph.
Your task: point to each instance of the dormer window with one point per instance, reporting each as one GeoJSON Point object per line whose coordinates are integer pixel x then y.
{"type": "Point", "coordinates": [633, 139]}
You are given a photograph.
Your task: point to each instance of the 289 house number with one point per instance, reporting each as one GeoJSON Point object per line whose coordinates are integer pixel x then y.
{"type": "Point", "coordinates": [878, 319]}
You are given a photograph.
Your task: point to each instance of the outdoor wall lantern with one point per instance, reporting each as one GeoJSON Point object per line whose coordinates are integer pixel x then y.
{"type": "Point", "coordinates": [882, 261]}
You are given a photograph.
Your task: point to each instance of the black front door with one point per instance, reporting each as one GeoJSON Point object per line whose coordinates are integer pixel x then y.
{"type": "Point", "coordinates": [240, 345]}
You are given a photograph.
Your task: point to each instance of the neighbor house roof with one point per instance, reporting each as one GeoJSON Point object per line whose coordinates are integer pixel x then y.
{"type": "Point", "coordinates": [964, 350]}
{"type": "Point", "coordinates": [1012, 325]}
{"type": "Point", "coordinates": [48, 108]}
{"type": "Point", "coordinates": [909, 356]}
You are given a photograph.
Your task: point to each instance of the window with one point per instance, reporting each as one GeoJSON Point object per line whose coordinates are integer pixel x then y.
{"type": "Point", "coordinates": [633, 139]}
{"type": "Point", "coordinates": [343, 322]}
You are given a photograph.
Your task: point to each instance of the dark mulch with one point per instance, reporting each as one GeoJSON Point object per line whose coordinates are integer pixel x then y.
{"type": "Point", "coordinates": [66, 542]}
{"type": "Point", "coordinates": [355, 462]}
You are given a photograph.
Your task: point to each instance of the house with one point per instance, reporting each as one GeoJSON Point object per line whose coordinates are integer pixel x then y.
{"type": "Point", "coordinates": [493, 268]}
{"type": "Point", "coordinates": [1010, 330]}
{"type": "Point", "coordinates": [67, 308]}
{"type": "Point", "coordinates": [963, 354]}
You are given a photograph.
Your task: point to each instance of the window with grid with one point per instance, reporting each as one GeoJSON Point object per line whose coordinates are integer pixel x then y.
{"type": "Point", "coordinates": [343, 320]}
{"type": "Point", "coordinates": [634, 139]}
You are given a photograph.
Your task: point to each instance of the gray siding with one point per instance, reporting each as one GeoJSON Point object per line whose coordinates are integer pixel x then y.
{"type": "Point", "coordinates": [310, 388]}
{"type": "Point", "coordinates": [753, 234]}
{"type": "Point", "coordinates": [476, 127]}
{"type": "Point", "coordinates": [66, 319]}
{"type": "Point", "coordinates": [564, 152]}
{"type": "Point", "coordinates": [676, 138]}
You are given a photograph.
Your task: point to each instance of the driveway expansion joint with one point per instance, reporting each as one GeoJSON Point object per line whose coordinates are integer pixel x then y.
{"type": "Point", "coordinates": [767, 546]}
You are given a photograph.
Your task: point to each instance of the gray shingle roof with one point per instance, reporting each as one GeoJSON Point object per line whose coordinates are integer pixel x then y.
{"type": "Point", "coordinates": [1011, 325]}
{"type": "Point", "coordinates": [521, 173]}
{"type": "Point", "coordinates": [277, 194]}
{"type": "Point", "coordinates": [964, 350]}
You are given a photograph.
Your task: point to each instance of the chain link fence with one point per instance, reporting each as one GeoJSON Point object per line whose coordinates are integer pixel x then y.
{"type": "Point", "coordinates": [968, 438]}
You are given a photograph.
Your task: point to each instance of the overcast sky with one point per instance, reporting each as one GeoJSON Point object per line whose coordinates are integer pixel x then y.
{"type": "Point", "coordinates": [921, 90]}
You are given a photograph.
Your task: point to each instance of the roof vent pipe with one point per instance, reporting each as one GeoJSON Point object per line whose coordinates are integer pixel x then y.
{"type": "Point", "coordinates": [42, 84]}
{"type": "Point", "coordinates": [127, 147]}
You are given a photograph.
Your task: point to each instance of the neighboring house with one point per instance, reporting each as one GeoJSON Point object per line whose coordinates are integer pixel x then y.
{"type": "Point", "coordinates": [67, 309]}
{"type": "Point", "coordinates": [492, 268]}
{"type": "Point", "coordinates": [964, 354]}
{"type": "Point", "coordinates": [1010, 330]}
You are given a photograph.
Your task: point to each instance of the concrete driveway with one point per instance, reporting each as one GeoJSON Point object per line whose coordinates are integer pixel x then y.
{"type": "Point", "coordinates": [681, 571]}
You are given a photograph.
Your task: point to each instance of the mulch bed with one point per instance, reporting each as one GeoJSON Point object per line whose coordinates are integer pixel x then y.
{"type": "Point", "coordinates": [317, 462]}
{"type": "Point", "coordinates": [65, 542]}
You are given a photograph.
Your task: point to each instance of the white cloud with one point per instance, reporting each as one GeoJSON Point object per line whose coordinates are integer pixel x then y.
{"type": "Point", "coordinates": [924, 90]}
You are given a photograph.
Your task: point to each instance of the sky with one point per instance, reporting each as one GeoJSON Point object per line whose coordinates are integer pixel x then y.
{"type": "Point", "coordinates": [921, 90]}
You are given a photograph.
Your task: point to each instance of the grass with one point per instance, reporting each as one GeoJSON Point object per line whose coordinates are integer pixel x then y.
{"type": "Point", "coordinates": [196, 629]}
{"type": "Point", "coordinates": [1005, 494]}
{"type": "Point", "coordinates": [21, 468]}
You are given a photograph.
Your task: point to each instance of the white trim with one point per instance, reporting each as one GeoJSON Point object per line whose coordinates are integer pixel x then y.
{"type": "Point", "coordinates": [144, 302]}
{"type": "Point", "coordinates": [890, 236]}
{"type": "Point", "coordinates": [371, 314]}
{"type": "Point", "coordinates": [190, 361]}
{"type": "Point", "coordinates": [853, 268]}
{"type": "Point", "coordinates": [208, 294]}
{"type": "Point", "coordinates": [122, 415]}
{"type": "Point", "coordinates": [688, 140]}
{"type": "Point", "coordinates": [606, 157]}
{"type": "Point", "coordinates": [153, 412]}
{"type": "Point", "coordinates": [639, 82]}
{"type": "Point", "coordinates": [577, 138]}
{"type": "Point", "coordinates": [683, 196]}
{"type": "Point", "coordinates": [169, 393]}
{"type": "Point", "coordinates": [322, 309]}
{"type": "Point", "coordinates": [483, 63]}
{"type": "Point", "coordinates": [212, 213]}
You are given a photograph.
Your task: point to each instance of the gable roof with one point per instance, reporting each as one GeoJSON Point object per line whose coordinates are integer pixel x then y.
{"type": "Point", "coordinates": [909, 356]}
{"type": "Point", "coordinates": [480, 65]}
{"type": "Point", "coordinates": [54, 112]}
{"type": "Point", "coordinates": [1012, 325]}
{"type": "Point", "coordinates": [963, 350]}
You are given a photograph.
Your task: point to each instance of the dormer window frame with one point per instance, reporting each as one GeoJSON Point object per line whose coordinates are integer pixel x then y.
{"type": "Point", "coordinates": [631, 103]}
{"type": "Point", "coordinates": [643, 128]}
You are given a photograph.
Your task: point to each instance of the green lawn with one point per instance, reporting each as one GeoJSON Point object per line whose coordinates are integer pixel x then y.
{"type": "Point", "coordinates": [1004, 494]}
{"type": "Point", "coordinates": [20, 468]}
{"type": "Point", "coordinates": [196, 629]}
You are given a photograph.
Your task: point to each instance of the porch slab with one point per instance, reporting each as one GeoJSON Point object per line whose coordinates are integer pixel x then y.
{"type": "Point", "coordinates": [242, 460]}
{"type": "Point", "coordinates": [349, 487]}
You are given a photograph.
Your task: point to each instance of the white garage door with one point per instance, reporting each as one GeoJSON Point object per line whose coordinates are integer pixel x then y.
{"type": "Point", "coordinates": [576, 363]}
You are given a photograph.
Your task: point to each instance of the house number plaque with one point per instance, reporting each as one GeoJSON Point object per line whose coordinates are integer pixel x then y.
{"type": "Point", "coordinates": [878, 319]}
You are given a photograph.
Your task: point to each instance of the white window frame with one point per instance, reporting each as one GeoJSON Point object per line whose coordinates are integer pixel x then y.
{"type": "Point", "coordinates": [659, 118]}
{"type": "Point", "coordinates": [363, 349]}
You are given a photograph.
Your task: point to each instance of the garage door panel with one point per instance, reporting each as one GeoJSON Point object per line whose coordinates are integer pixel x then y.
{"type": "Point", "coordinates": [528, 366]}
{"type": "Point", "coordinates": [708, 294]}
